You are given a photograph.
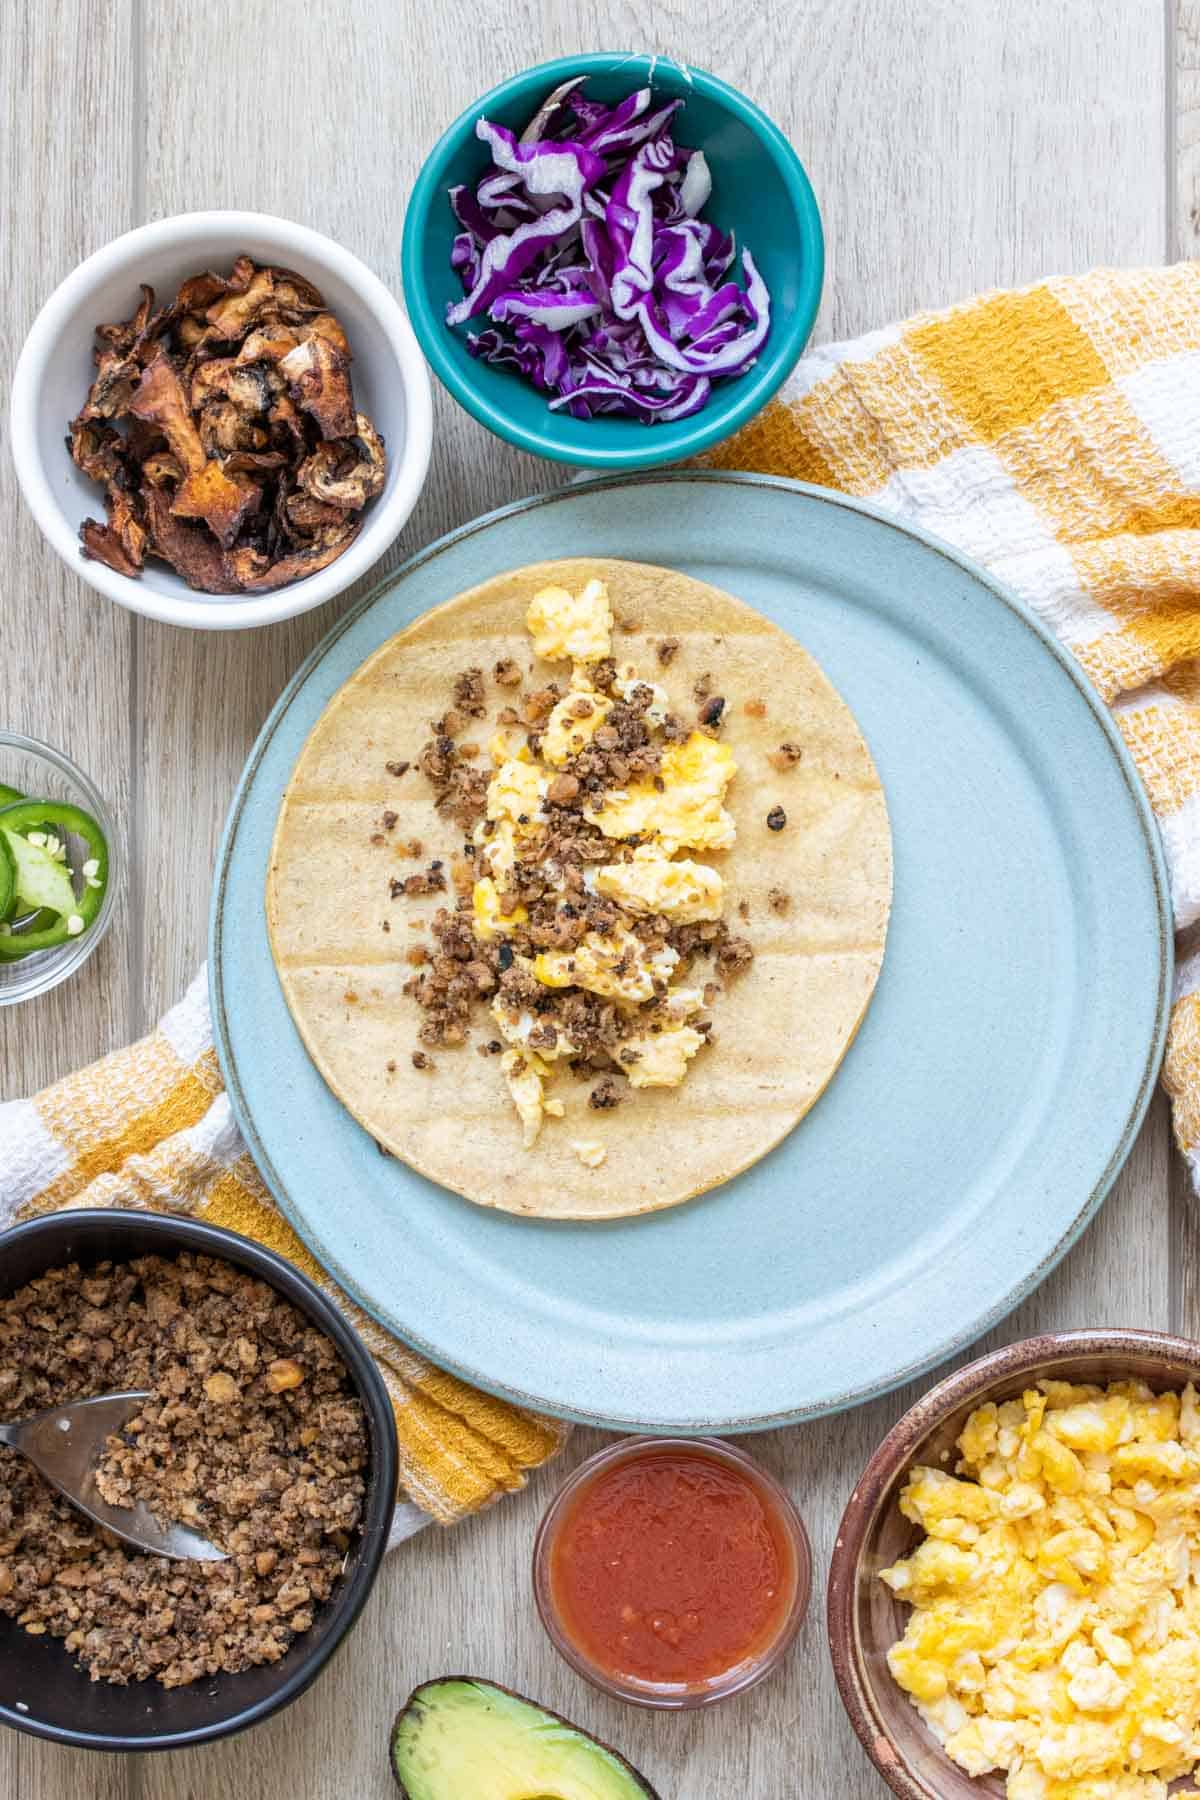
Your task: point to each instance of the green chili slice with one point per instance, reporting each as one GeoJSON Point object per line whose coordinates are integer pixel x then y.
{"type": "Point", "coordinates": [48, 927]}
{"type": "Point", "coordinates": [8, 882]}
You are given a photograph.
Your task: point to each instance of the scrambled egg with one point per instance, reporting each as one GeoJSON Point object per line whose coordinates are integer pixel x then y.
{"type": "Point", "coordinates": [516, 792]}
{"type": "Point", "coordinates": [568, 730]}
{"type": "Point", "coordinates": [618, 966]}
{"type": "Point", "coordinates": [684, 891]}
{"type": "Point", "coordinates": [687, 813]}
{"type": "Point", "coordinates": [497, 845]}
{"type": "Point", "coordinates": [508, 745]}
{"type": "Point", "coordinates": [1055, 1631]}
{"type": "Point", "coordinates": [590, 1154]}
{"type": "Point", "coordinates": [578, 626]}
{"type": "Point", "coordinates": [629, 682]}
{"type": "Point", "coordinates": [523, 1073]}
{"type": "Point", "coordinates": [662, 1057]}
{"type": "Point", "coordinates": [488, 920]}
{"type": "Point", "coordinates": [680, 1003]}
{"type": "Point", "coordinates": [515, 1024]}
{"type": "Point", "coordinates": [683, 807]}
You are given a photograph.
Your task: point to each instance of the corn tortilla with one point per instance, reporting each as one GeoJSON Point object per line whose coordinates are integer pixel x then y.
{"type": "Point", "coordinates": [780, 1029]}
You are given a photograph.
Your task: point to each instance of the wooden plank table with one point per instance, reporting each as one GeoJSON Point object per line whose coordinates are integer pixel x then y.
{"type": "Point", "coordinates": [954, 145]}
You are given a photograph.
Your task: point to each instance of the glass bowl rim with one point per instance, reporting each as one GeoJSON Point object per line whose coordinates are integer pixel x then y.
{"type": "Point", "coordinates": [56, 965]}
{"type": "Point", "coordinates": [667, 1696]}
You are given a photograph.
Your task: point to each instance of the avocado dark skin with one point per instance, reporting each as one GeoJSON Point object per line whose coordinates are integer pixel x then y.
{"type": "Point", "coordinates": [460, 1738]}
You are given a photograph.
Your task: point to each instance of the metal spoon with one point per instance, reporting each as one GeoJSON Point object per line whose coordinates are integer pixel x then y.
{"type": "Point", "coordinates": [64, 1445]}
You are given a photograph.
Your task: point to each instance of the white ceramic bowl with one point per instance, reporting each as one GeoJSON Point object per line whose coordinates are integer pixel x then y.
{"type": "Point", "coordinates": [55, 370]}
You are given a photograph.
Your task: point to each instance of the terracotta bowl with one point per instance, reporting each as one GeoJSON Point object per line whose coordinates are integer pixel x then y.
{"type": "Point", "coordinates": [865, 1619]}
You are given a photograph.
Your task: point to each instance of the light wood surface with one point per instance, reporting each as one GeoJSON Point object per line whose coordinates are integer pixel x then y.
{"type": "Point", "coordinates": [953, 145]}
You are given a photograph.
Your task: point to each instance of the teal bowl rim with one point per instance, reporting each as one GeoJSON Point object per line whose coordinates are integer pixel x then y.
{"type": "Point", "coordinates": [733, 406]}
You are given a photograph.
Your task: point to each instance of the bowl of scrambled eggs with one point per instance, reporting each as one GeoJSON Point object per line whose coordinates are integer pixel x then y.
{"type": "Point", "coordinates": [1014, 1594]}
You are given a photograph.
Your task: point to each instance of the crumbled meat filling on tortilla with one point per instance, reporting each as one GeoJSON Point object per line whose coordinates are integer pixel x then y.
{"type": "Point", "coordinates": [540, 899]}
{"type": "Point", "coordinates": [469, 694]}
{"type": "Point", "coordinates": [605, 1094]}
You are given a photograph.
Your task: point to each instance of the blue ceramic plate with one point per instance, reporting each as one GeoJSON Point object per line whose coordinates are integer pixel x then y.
{"type": "Point", "coordinates": [983, 1110]}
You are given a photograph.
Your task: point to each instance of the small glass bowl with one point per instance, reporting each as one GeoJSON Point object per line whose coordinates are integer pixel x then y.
{"type": "Point", "coordinates": [674, 1695]}
{"type": "Point", "coordinates": [46, 774]}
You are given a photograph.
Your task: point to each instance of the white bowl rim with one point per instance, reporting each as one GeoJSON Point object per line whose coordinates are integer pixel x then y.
{"type": "Point", "coordinates": [382, 524]}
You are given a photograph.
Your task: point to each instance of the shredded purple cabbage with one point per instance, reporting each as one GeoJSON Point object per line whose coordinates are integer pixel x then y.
{"type": "Point", "coordinates": [584, 248]}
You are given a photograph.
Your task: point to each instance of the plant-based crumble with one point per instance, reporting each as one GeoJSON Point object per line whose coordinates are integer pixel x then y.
{"type": "Point", "coordinates": [253, 1437]}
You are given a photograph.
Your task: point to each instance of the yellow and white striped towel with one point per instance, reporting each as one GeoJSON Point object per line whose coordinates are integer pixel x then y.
{"type": "Point", "coordinates": [151, 1127]}
{"type": "Point", "coordinates": [1053, 434]}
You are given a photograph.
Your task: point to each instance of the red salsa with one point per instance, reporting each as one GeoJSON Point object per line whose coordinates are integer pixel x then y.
{"type": "Point", "coordinates": [672, 1567]}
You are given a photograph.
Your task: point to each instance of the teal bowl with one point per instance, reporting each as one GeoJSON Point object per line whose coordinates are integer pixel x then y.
{"type": "Point", "coordinates": [760, 192]}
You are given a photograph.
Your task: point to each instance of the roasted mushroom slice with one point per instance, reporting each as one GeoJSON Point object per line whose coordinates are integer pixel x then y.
{"type": "Point", "coordinates": [327, 327]}
{"type": "Point", "coordinates": [319, 374]}
{"type": "Point", "coordinates": [123, 336]}
{"type": "Point", "coordinates": [200, 292]}
{"type": "Point", "coordinates": [238, 411]}
{"type": "Point", "coordinates": [232, 317]}
{"type": "Point", "coordinates": [349, 473]}
{"type": "Point", "coordinates": [143, 438]}
{"type": "Point", "coordinates": [294, 294]}
{"type": "Point", "coordinates": [206, 492]}
{"type": "Point", "coordinates": [252, 389]}
{"type": "Point", "coordinates": [129, 348]}
{"type": "Point", "coordinates": [102, 544]}
{"type": "Point", "coordinates": [305, 516]}
{"type": "Point", "coordinates": [122, 542]}
{"type": "Point", "coordinates": [191, 331]}
{"type": "Point", "coordinates": [231, 405]}
{"type": "Point", "coordinates": [117, 375]}
{"type": "Point", "coordinates": [270, 342]}
{"type": "Point", "coordinates": [220, 500]}
{"type": "Point", "coordinates": [287, 423]}
{"type": "Point", "coordinates": [160, 401]}
{"type": "Point", "coordinates": [189, 549]}
{"type": "Point", "coordinates": [162, 470]}
{"type": "Point", "coordinates": [98, 449]}
{"type": "Point", "coordinates": [248, 462]}
{"type": "Point", "coordinates": [257, 576]}
{"type": "Point", "coordinates": [223, 429]}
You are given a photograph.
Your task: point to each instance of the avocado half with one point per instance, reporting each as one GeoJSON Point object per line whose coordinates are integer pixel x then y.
{"type": "Point", "coordinates": [464, 1739]}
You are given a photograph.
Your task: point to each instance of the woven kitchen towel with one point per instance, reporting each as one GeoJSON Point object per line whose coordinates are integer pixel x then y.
{"type": "Point", "coordinates": [1053, 434]}
{"type": "Point", "coordinates": [151, 1127]}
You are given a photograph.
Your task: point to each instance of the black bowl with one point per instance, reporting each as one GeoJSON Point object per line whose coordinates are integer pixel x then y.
{"type": "Point", "coordinates": [41, 1690]}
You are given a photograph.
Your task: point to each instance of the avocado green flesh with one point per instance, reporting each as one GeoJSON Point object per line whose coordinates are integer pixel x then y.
{"type": "Point", "coordinates": [460, 1738]}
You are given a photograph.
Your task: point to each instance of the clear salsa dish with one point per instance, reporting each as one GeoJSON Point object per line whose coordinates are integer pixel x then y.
{"type": "Point", "coordinates": [33, 771]}
{"type": "Point", "coordinates": [672, 1572]}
